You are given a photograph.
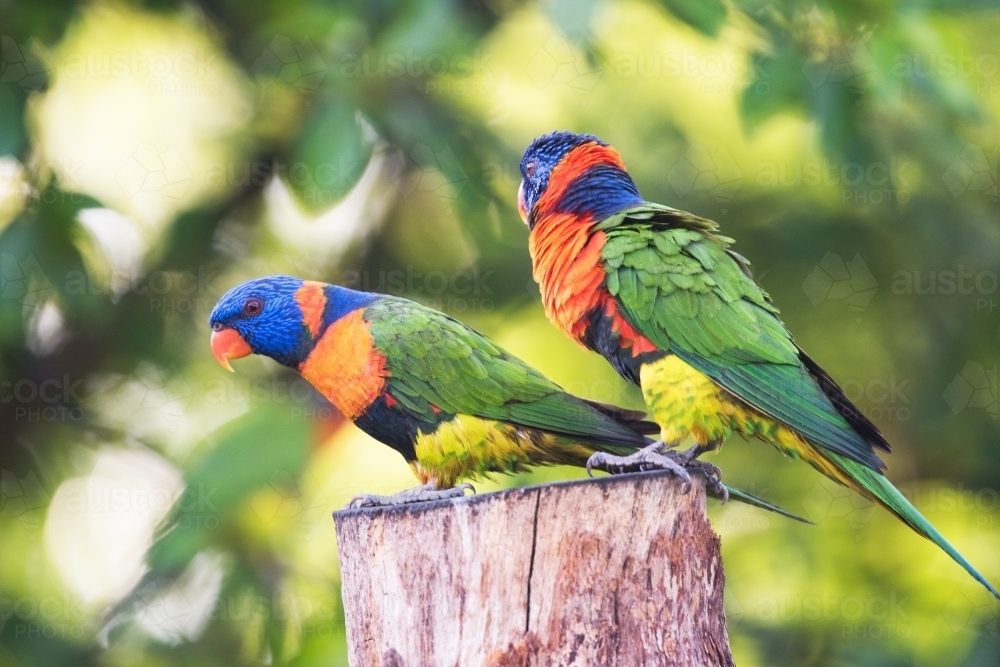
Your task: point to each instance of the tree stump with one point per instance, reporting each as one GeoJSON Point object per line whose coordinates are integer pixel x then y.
{"type": "Point", "coordinates": [621, 570]}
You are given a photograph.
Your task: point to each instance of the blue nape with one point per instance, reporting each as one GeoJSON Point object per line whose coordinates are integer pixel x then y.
{"type": "Point", "coordinates": [601, 192]}
{"type": "Point", "coordinates": [340, 301]}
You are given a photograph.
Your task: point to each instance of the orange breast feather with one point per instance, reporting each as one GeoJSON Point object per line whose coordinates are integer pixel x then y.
{"type": "Point", "coordinates": [566, 264]}
{"type": "Point", "coordinates": [345, 366]}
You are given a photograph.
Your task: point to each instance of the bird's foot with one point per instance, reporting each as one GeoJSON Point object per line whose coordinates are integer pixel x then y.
{"type": "Point", "coordinates": [713, 478]}
{"type": "Point", "coordinates": [418, 494]}
{"type": "Point", "coordinates": [654, 457]}
{"type": "Point", "coordinates": [712, 474]}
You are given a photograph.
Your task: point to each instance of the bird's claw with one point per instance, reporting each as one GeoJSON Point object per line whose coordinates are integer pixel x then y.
{"type": "Point", "coordinates": [419, 494]}
{"type": "Point", "coordinates": [654, 457]}
{"type": "Point", "coordinates": [713, 478]}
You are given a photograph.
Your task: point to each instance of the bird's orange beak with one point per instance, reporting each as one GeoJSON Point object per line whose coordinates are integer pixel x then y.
{"type": "Point", "coordinates": [229, 344]}
{"type": "Point", "coordinates": [521, 209]}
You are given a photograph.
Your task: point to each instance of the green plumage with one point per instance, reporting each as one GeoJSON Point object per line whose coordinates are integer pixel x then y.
{"type": "Point", "coordinates": [678, 283]}
{"type": "Point", "coordinates": [434, 360]}
{"type": "Point", "coordinates": [437, 361]}
{"type": "Point", "coordinates": [680, 286]}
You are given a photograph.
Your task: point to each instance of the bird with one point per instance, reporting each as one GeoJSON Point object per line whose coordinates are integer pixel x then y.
{"type": "Point", "coordinates": [451, 401]}
{"type": "Point", "coordinates": [662, 296]}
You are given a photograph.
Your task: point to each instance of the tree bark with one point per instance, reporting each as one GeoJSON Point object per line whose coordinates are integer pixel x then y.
{"type": "Point", "coordinates": [621, 570]}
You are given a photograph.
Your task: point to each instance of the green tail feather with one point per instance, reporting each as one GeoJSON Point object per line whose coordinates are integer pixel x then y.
{"type": "Point", "coordinates": [757, 501]}
{"type": "Point", "coordinates": [881, 490]}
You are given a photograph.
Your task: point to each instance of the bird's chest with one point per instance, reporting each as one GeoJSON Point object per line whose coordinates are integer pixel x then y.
{"type": "Point", "coordinates": [567, 265]}
{"type": "Point", "coordinates": [346, 367]}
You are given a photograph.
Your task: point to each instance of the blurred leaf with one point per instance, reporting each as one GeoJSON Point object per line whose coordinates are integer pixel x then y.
{"type": "Point", "coordinates": [776, 87]}
{"type": "Point", "coordinates": [243, 457]}
{"type": "Point", "coordinates": [706, 16]}
{"type": "Point", "coordinates": [11, 126]}
{"type": "Point", "coordinates": [329, 157]}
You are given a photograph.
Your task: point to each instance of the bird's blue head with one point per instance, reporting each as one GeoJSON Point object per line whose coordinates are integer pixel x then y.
{"type": "Point", "coordinates": [576, 173]}
{"type": "Point", "coordinates": [279, 316]}
{"type": "Point", "coordinates": [261, 316]}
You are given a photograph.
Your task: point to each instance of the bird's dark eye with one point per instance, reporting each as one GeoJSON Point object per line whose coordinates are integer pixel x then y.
{"type": "Point", "coordinates": [253, 307]}
{"type": "Point", "coordinates": [530, 168]}
{"type": "Point", "coordinates": [217, 326]}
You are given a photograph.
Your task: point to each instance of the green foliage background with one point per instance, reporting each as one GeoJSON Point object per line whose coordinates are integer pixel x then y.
{"type": "Point", "coordinates": [154, 154]}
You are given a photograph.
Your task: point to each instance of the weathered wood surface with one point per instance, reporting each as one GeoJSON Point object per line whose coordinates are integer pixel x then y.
{"type": "Point", "coordinates": [613, 571]}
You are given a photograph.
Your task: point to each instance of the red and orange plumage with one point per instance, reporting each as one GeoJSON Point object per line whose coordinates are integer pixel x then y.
{"type": "Point", "coordinates": [566, 254]}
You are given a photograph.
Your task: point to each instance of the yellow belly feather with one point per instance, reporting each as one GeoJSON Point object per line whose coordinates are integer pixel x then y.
{"type": "Point", "coordinates": [469, 447]}
{"type": "Point", "coordinates": [685, 402]}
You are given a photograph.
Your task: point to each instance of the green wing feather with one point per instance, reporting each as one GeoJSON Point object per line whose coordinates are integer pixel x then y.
{"type": "Point", "coordinates": [680, 286]}
{"type": "Point", "coordinates": [437, 362]}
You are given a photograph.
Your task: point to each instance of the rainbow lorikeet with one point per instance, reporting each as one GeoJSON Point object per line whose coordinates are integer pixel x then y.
{"type": "Point", "coordinates": [452, 402]}
{"type": "Point", "coordinates": [660, 294]}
